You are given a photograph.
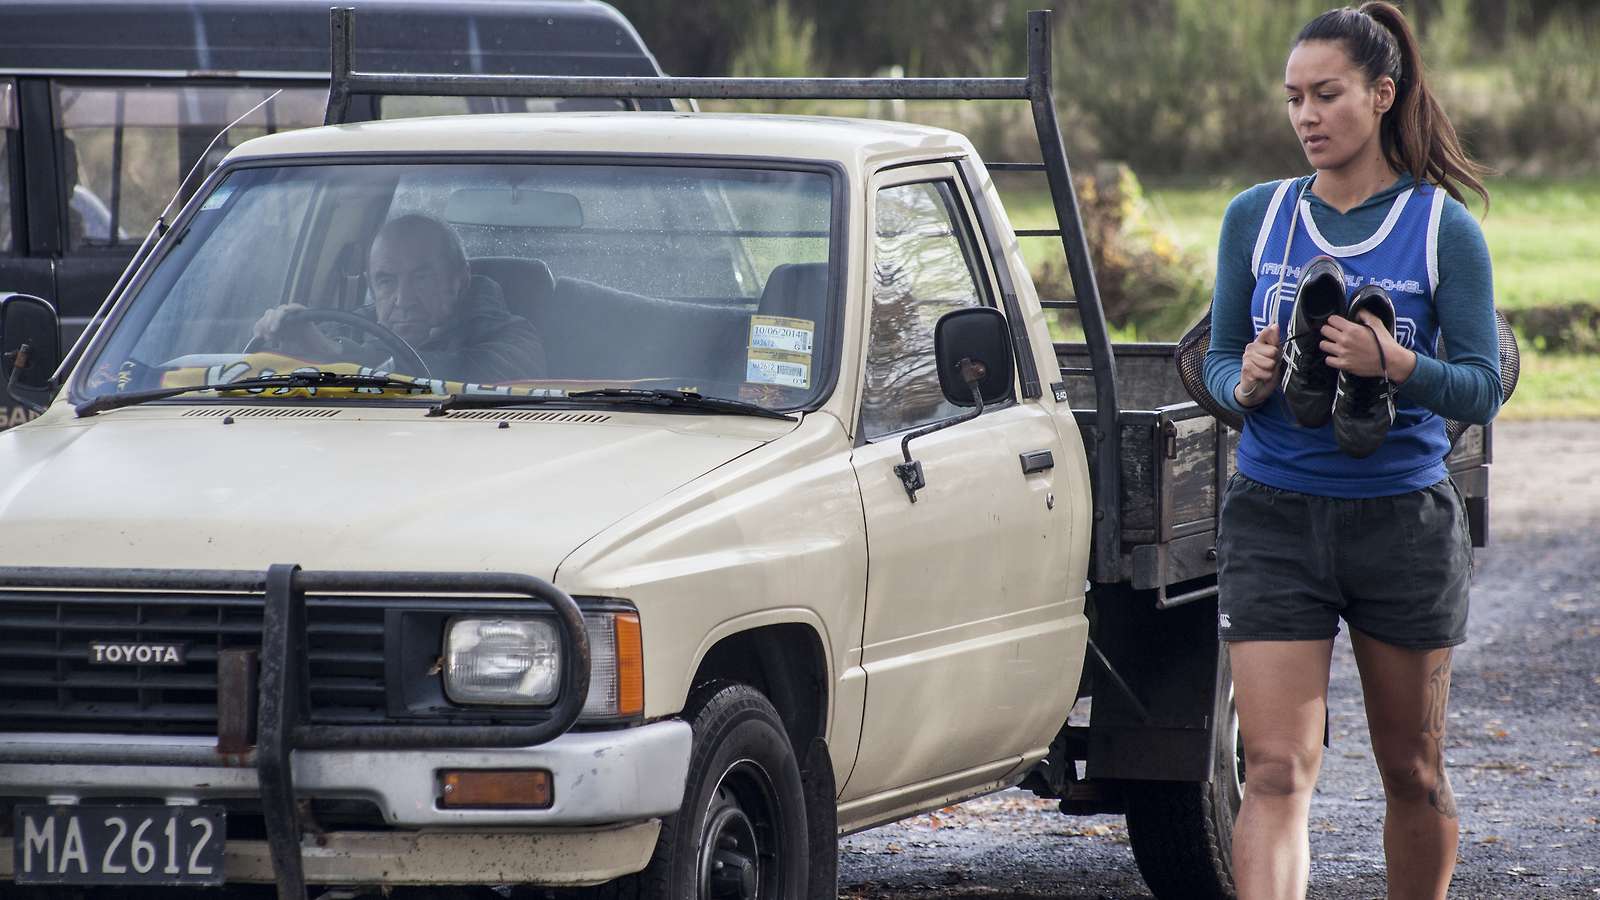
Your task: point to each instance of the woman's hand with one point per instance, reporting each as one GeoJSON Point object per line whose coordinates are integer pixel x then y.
{"type": "Point", "coordinates": [1259, 370]}
{"type": "Point", "coordinates": [1350, 348]}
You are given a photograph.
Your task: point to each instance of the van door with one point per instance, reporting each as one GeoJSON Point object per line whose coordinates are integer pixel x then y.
{"type": "Point", "coordinates": [21, 271]}
{"type": "Point", "coordinates": [9, 181]}
{"type": "Point", "coordinates": [966, 614]}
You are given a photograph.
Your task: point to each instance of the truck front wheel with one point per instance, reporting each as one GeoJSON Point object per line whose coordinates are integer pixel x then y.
{"type": "Point", "coordinates": [741, 832]}
{"type": "Point", "coordinates": [1182, 831]}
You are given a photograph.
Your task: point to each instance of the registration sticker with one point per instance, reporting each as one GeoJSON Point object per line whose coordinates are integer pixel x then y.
{"type": "Point", "coordinates": [780, 333]}
{"type": "Point", "coordinates": [218, 198]}
{"type": "Point", "coordinates": [780, 351]}
{"type": "Point", "coordinates": [780, 368]}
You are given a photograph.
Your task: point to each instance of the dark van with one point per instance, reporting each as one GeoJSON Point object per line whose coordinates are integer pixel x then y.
{"type": "Point", "coordinates": [105, 107]}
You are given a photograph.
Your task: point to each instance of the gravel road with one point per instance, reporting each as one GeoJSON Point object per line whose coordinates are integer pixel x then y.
{"type": "Point", "coordinates": [1523, 743]}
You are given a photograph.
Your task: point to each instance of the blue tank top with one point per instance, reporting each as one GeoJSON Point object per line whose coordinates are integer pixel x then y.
{"type": "Point", "coordinates": [1402, 257]}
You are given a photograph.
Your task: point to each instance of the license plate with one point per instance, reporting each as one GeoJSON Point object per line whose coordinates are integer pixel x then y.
{"type": "Point", "coordinates": [118, 844]}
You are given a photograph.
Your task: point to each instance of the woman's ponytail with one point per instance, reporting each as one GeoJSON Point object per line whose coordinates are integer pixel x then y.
{"type": "Point", "coordinates": [1417, 136]}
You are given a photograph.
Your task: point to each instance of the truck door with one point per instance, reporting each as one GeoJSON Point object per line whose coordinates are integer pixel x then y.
{"type": "Point", "coordinates": [966, 611]}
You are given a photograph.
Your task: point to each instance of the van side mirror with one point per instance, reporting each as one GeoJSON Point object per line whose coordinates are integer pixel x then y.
{"type": "Point", "coordinates": [973, 345]}
{"type": "Point", "coordinates": [30, 349]}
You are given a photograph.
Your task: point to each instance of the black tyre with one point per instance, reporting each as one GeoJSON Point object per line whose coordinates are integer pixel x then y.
{"type": "Point", "coordinates": [741, 833]}
{"type": "Point", "coordinates": [1182, 831]}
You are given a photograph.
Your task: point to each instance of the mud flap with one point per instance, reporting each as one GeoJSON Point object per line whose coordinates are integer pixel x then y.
{"type": "Point", "coordinates": [822, 821]}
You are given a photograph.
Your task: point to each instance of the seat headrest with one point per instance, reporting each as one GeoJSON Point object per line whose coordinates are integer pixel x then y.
{"type": "Point", "coordinates": [525, 283]}
{"type": "Point", "coordinates": [796, 291]}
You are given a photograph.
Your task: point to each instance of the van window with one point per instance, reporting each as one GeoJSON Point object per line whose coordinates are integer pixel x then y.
{"type": "Point", "coordinates": [414, 107]}
{"type": "Point", "coordinates": [8, 127]}
{"type": "Point", "coordinates": [125, 149]}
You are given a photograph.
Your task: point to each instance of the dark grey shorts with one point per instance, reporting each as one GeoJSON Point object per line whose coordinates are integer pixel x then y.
{"type": "Point", "coordinates": [1396, 568]}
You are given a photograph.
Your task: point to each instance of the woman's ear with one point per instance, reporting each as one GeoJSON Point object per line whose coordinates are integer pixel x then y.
{"type": "Point", "coordinates": [1383, 94]}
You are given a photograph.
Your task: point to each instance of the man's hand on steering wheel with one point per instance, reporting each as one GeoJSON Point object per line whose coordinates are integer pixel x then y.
{"type": "Point", "coordinates": [292, 328]}
{"type": "Point", "coordinates": [286, 328]}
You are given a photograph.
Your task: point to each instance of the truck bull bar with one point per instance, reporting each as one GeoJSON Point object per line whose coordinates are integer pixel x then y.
{"type": "Point", "coordinates": [281, 721]}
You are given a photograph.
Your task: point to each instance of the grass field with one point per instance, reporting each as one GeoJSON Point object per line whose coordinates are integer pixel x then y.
{"type": "Point", "coordinates": [1544, 235]}
{"type": "Point", "coordinates": [1544, 240]}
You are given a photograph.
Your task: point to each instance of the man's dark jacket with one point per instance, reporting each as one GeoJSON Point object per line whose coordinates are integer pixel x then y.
{"type": "Point", "coordinates": [483, 343]}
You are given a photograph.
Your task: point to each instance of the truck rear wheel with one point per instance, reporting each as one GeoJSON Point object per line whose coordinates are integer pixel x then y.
{"type": "Point", "coordinates": [1182, 831]}
{"type": "Point", "coordinates": [741, 832]}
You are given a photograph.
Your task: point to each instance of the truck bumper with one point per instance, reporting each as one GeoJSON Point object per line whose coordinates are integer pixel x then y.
{"type": "Point", "coordinates": [610, 788]}
{"type": "Point", "coordinates": [600, 778]}
{"type": "Point", "coordinates": [546, 856]}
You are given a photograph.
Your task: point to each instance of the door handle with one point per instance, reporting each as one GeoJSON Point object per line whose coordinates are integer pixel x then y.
{"type": "Point", "coordinates": [1037, 461]}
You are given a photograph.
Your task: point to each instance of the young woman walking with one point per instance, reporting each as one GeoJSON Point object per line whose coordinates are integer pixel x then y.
{"type": "Point", "coordinates": [1342, 506]}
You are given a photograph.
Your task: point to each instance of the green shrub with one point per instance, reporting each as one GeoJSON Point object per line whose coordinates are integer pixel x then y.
{"type": "Point", "coordinates": [1556, 79]}
{"type": "Point", "coordinates": [1192, 87]}
{"type": "Point", "coordinates": [1175, 86]}
{"type": "Point", "coordinates": [1150, 287]}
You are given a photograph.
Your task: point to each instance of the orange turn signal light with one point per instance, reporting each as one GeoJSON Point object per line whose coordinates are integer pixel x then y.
{"type": "Point", "coordinates": [495, 789]}
{"type": "Point", "coordinates": [630, 665]}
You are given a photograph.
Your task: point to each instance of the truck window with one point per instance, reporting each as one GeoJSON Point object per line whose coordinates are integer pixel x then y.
{"type": "Point", "coordinates": [237, 272]}
{"type": "Point", "coordinates": [922, 270]}
{"type": "Point", "coordinates": [601, 274]}
{"type": "Point", "coordinates": [124, 149]}
{"type": "Point", "coordinates": [8, 127]}
{"type": "Point", "coordinates": [673, 234]}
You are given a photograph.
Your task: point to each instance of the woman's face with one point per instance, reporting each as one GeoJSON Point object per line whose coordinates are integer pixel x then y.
{"type": "Point", "coordinates": [1334, 110]}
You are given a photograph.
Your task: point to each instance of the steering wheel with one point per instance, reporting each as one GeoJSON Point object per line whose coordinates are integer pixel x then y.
{"type": "Point", "coordinates": [406, 358]}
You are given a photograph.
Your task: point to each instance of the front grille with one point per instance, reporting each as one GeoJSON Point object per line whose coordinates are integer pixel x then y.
{"type": "Point", "coordinates": [48, 684]}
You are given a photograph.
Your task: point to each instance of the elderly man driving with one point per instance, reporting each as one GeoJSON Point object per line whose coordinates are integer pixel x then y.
{"type": "Point", "coordinates": [423, 291]}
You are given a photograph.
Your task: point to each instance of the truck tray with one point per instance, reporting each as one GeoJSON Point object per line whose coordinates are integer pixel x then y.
{"type": "Point", "coordinates": [1176, 459]}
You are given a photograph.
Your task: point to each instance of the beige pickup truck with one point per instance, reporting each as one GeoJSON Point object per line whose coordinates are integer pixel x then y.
{"type": "Point", "coordinates": [735, 498]}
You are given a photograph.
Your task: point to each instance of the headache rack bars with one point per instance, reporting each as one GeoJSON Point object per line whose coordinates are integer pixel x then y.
{"type": "Point", "coordinates": [1035, 88]}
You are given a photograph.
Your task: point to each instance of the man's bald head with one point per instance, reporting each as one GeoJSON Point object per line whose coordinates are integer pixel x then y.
{"type": "Point", "coordinates": [418, 272]}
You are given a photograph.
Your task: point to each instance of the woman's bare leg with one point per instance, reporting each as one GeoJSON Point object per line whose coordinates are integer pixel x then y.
{"type": "Point", "coordinates": [1281, 688]}
{"type": "Point", "coordinates": [1406, 692]}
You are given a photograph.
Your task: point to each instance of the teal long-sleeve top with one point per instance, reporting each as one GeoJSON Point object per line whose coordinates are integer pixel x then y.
{"type": "Point", "coordinates": [1466, 387]}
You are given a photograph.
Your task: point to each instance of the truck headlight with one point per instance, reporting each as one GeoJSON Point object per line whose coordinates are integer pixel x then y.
{"type": "Point", "coordinates": [616, 665]}
{"type": "Point", "coordinates": [502, 661]}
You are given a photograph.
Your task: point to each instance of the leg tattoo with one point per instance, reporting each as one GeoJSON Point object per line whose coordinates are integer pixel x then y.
{"type": "Point", "coordinates": [1440, 798]}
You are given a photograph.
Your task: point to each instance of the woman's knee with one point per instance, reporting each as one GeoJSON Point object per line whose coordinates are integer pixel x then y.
{"type": "Point", "coordinates": [1281, 770]}
{"type": "Point", "coordinates": [1410, 775]}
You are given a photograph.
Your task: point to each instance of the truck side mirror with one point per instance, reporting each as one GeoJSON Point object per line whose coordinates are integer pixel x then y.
{"type": "Point", "coordinates": [30, 349]}
{"type": "Point", "coordinates": [972, 349]}
{"type": "Point", "coordinates": [973, 346]}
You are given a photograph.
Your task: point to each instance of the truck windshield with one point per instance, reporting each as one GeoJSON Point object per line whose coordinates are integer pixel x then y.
{"type": "Point", "coordinates": [505, 278]}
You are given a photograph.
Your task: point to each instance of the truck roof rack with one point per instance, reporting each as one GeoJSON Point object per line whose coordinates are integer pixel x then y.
{"type": "Point", "coordinates": [1034, 87]}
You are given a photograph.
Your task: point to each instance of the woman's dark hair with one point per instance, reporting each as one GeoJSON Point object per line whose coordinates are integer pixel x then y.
{"type": "Point", "coordinates": [1417, 136]}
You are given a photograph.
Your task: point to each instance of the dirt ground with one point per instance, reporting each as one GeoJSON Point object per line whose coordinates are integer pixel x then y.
{"type": "Point", "coordinates": [1523, 744]}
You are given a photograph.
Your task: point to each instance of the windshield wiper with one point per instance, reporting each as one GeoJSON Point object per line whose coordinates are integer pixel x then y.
{"type": "Point", "coordinates": [646, 397]}
{"type": "Point", "coordinates": [318, 379]}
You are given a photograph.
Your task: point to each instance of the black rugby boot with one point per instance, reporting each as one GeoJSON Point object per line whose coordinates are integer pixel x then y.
{"type": "Point", "coordinates": [1363, 408]}
{"type": "Point", "coordinates": [1308, 381]}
